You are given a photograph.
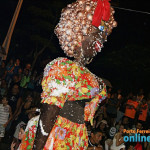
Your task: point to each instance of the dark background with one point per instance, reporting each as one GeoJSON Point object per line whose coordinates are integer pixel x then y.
{"type": "Point", "coordinates": [124, 60]}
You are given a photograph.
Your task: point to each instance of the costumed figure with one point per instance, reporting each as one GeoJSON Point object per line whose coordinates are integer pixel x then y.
{"type": "Point", "coordinates": [71, 93]}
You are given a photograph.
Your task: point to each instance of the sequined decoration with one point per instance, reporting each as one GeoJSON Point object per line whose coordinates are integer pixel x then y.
{"type": "Point", "coordinates": [76, 22]}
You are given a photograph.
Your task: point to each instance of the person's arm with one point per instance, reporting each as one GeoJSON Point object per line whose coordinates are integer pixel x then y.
{"type": "Point", "coordinates": [31, 110]}
{"type": "Point", "coordinates": [119, 140]}
{"type": "Point", "coordinates": [13, 144]}
{"type": "Point", "coordinates": [19, 103]}
{"type": "Point", "coordinates": [47, 120]}
{"type": "Point", "coordinates": [10, 117]}
{"type": "Point", "coordinates": [98, 123]}
{"type": "Point", "coordinates": [18, 112]}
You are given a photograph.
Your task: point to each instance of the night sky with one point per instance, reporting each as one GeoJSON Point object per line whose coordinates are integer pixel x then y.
{"type": "Point", "coordinates": [124, 60]}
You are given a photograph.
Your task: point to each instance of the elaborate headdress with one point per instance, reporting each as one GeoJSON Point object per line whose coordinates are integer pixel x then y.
{"type": "Point", "coordinates": [78, 19]}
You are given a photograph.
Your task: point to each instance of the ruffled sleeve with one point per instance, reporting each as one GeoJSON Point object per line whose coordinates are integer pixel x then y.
{"type": "Point", "coordinates": [55, 84]}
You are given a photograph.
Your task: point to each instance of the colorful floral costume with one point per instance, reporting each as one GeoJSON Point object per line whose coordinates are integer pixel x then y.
{"type": "Point", "coordinates": [64, 80]}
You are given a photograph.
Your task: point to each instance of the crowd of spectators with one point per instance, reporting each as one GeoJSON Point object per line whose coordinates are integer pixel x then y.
{"type": "Point", "coordinates": [19, 99]}
{"type": "Point", "coordinates": [122, 116]}
{"type": "Point", "coordinates": [20, 90]}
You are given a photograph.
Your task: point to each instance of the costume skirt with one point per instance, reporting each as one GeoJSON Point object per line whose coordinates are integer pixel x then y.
{"type": "Point", "coordinates": [67, 135]}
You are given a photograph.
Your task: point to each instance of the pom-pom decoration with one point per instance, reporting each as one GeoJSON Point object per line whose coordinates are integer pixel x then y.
{"type": "Point", "coordinates": [76, 22]}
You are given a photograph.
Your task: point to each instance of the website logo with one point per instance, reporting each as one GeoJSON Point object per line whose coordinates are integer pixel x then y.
{"type": "Point", "coordinates": [136, 135]}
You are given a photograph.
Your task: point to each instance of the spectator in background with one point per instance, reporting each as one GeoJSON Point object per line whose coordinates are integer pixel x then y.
{"type": "Point", "coordinates": [3, 88]}
{"type": "Point", "coordinates": [15, 144]}
{"type": "Point", "coordinates": [119, 92]}
{"type": "Point", "coordinates": [31, 84]}
{"type": "Point", "coordinates": [98, 120]}
{"type": "Point", "coordinates": [38, 80]}
{"type": "Point", "coordinates": [94, 140]}
{"type": "Point", "coordinates": [138, 145]}
{"type": "Point", "coordinates": [14, 100]}
{"type": "Point", "coordinates": [138, 126]}
{"type": "Point", "coordinates": [148, 145]}
{"type": "Point", "coordinates": [24, 82]}
{"type": "Point", "coordinates": [9, 71]}
{"type": "Point", "coordinates": [38, 88]}
{"type": "Point", "coordinates": [111, 109]}
{"type": "Point", "coordinates": [140, 95]}
{"type": "Point", "coordinates": [130, 95]}
{"type": "Point", "coordinates": [109, 92]}
{"type": "Point", "coordinates": [118, 142]}
{"type": "Point", "coordinates": [131, 146]}
{"type": "Point", "coordinates": [131, 108]}
{"type": "Point", "coordinates": [28, 67]}
{"type": "Point", "coordinates": [2, 70]}
{"type": "Point", "coordinates": [20, 74]}
{"type": "Point", "coordinates": [125, 123]}
{"type": "Point", "coordinates": [143, 109]}
{"type": "Point", "coordinates": [109, 140]}
{"type": "Point", "coordinates": [26, 105]}
{"type": "Point", "coordinates": [148, 113]}
{"type": "Point", "coordinates": [17, 129]}
{"type": "Point", "coordinates": [121, 108]}
{"type": "Point", "coordinates": [5, 116]}
{"type": "Point", "coordinates": [16, 67]}
{"type": "Point", "coordinates": [103, 126]}
{"type": "Point", "coordinates": [15, 80]}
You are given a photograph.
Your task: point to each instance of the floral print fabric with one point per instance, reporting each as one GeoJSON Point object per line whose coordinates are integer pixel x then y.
{"type": "Point", "coordinates": [67, 135]}
{"type": "Point", "coordinates": [65, 80]}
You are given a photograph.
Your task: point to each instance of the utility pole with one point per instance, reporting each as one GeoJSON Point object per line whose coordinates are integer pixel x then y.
{"type": "Point", "coordinates": [7, 40]}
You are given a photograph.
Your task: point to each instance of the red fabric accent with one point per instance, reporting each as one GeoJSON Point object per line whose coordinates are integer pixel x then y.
{"type": "Point", "coordinates": [102, 12]}
{"type": "Point", "coordinates": [98, 46]}
{"type": "Point", "coordinates": [138, 146]}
